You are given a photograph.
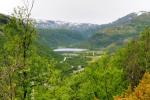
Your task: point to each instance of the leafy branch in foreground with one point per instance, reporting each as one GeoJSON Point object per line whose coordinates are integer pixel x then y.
{"type": "Point", "coordinates": [22, 69]}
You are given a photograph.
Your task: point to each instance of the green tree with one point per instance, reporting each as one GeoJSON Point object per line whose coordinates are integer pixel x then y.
{"type": "Point", "coordinates": [23, 71]}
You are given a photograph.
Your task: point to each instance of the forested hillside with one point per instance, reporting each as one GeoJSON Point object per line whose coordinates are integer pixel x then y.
{"type": "Point", "coordinates": [64, 34]}
{"type": "Point", "coordinates": [92, 36]}
{"type": "Point", "coordinates": [119, 32]}
{"type": "Point", "coordinates": [55, 38]}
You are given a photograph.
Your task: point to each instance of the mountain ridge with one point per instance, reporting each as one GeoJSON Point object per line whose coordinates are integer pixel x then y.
{"type": "Point", "coordinates": [56, 34]}
{"type": "Point", "coordinates": [95, 36]}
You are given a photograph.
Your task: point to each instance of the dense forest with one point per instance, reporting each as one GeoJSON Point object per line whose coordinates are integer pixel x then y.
{"type": "Point", "coordinates": [30, 70]}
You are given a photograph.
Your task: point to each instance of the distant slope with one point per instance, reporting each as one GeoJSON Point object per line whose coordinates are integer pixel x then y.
{"type": "Point", "coordinates": [56, 34]}
{"type": "Point", "coordinates": [3, 20]}
{"type": "Point", "coordinates": [62, 34]}
{"type": "Point", "coordinates": [59, 37]}
{"type": "Point", "coordinates": [117, 33]}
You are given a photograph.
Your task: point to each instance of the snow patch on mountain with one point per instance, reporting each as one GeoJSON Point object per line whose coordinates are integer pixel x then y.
{"type": "Point", "coordinates": [41, 21]}
{"type": "Point", "coordinates": [47, 24]}
{"type": "Point", "coordinates": [140, 13]}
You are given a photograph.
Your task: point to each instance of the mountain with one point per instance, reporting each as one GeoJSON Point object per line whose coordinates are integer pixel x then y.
{"type": "Point", "coordinates": [118, 32]}
{"type": "Point", "coordinates": [48, 24]}
{"type": "Point", "coordinates": [63, 34]}
{"type": "Point", "coordinates": [55, 34]}
{"type": "Point", "coordinates": [3, 20]}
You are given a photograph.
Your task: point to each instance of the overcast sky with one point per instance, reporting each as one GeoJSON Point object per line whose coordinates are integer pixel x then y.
{"type": "Point", "coordinates": [80, 11]}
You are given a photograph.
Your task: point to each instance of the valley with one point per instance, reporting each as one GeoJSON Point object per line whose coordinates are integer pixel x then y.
{"type": "Point", "coordinates": [95, 39]}
{"type": "Point", "coordinates": [78, 58]}
{"type": "Point", "coordinates": [56, 60]}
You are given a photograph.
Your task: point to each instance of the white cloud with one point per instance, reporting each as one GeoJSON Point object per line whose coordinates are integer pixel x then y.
{"type": "Point", "coordinates": [7, 6]}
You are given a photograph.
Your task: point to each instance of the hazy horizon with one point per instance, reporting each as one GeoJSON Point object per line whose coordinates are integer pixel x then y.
{"type": "Point", "coordinates": [80, 11]}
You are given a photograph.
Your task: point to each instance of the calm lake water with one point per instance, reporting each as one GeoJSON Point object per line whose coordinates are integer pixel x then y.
{"type": "Point", "coordinates": [69, 50]}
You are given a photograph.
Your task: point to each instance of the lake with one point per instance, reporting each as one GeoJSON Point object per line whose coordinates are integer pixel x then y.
{"type": "Point", "coordinates": [69, 50]}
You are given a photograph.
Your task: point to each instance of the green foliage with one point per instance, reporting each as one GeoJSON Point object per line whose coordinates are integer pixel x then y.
{"type": "Point", "coordinates": [99, 80]}
{"type": "Point", "coordinates": [109, 76]}
{"type": "Point", "coordinates": [59, 37]}
{"type": "Point", "coordinates": [22, 69]}
{"type": "Point", "coordinates": [3, 19]}
{"type": "Point", "coordinates": [118, 32]}
{"type": "Point", "coordinates": [29, 70]}
{"type": "Point", "coordinates": [141, 92]}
